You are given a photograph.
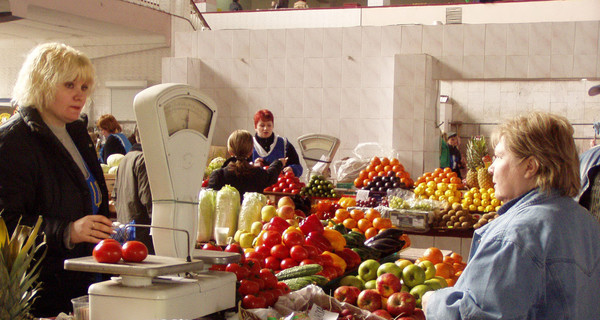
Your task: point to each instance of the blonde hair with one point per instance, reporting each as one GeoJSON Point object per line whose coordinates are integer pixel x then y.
{"type": "Point", "coordinates": [47, 66]}
{"type": "Point", "coordinates": [109, 123]}
{"type": "Point", "coordinates": [548, 138]}
{"type": "Point", "coordinates": [240, 146]}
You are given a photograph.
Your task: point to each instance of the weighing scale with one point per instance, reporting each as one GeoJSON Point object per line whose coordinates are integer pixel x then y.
{"type": "Point", "coordinates": [176, 123]}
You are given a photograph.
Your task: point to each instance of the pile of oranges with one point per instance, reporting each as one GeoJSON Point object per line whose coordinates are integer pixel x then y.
{"type": "Point", "coordinates": [369, 222]}
{"type": "Point", "coordinates": [383, 167]}
{"type": "Point", "coordinates": [449, 267]}
{"type": "Point", "coordinates": [445, 175]}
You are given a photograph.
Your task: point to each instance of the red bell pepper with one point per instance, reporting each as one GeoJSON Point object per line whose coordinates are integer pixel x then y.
{"type": "Point", "coordinates": [311, 224]}
{"type": "Point", "coordinates": [352, 258]}
{"type": "Point", "coordinates": [318, 240]}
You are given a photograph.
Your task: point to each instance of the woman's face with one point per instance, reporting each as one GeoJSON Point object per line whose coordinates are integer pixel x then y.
{"type": "Point", "coordinates": [264, 129]}
{"type": "Point", "coordinates": [68, 102]}
{"type": "Point", "coordinates": [510, 177]}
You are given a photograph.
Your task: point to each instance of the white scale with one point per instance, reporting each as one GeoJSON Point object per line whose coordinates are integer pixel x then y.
{"type": "Point", "coordinates": [176, 123]}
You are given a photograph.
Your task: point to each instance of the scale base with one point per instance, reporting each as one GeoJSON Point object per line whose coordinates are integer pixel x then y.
{"type": "Point", "coordinates": [167, 297]}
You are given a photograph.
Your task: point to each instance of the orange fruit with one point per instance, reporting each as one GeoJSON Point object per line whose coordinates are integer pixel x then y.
{"type": "Point", "coordinates": [370, 168]}
{"type": "Point", "coordinates": [457, 257]}
{"type": "Point", "coordinates": [438, 171]}
{"type": "Point", "coordinates": [387, 168]}
{"type": "Point", "coordinates": [385, 161]}
{"type": "Point", "coordinates": [451, 282]}
{"type": "Point", "coordinates": [455, 180]}
{"type": "Point", "coordinates": [370, 232]}
{"type": "Point", "coordinates": [394, 161]}
{"type": "Point", "coordinates": [382, 223]}
{"type": "Point", "coordinates": [356, 229]}
{"type": "Point", "coordinates": [427, 174]}
{"type": "Point", "coordinates": [379, 168]}
{"type": "Point", "coordinates": [381, 173]}
{"type": "Point", "coordinates": [458, 273]}
{"type": "Point", "coordinates": [458, 266]}
{"type": "Point", "coordinates": [364, 224]}
{"type": "Point", "coordinates": [372, 174]}
{"type": "Point", "coordinates": [342, 214]}
{"type": "Point", "coordinates": [448, 260]}
{"type": "Point", "coordinates": [375, 161]}
{"type": "Point", "coordinates": [447, 170]}
{"type": "Point", "coordinates": [452, 174]}
{"type": "Point", "coordinates": [446, 180]}
{"type": "Point", "coordinates": [371, 214]}
{"type": "Point", "coordinates": [357, 214]}
{"type": "Point", "coordinates": [358, 182]}
{"type": "Point", "coordinates": [434, 255]}
{"type": "Point", "coordinates": [444, 270]}
{"type": "Point", "coordinates": [349, 223]}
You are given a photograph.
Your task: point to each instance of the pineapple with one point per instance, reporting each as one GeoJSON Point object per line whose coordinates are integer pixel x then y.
{"type": "Point", "coordinates": [474, 162]}
{"type": "Point", "coordinates": [18, 279]}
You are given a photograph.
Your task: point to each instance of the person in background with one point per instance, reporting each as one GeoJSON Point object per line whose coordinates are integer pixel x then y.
{"type": "Point", "coordinates": [456, 161]}
{"type": "Point", "coordinates": [237, 170]}
{"type": "Point", "coordinates": [269, 147]}
{"type": "Point", "coordinates": [235, 6]}
{"type": "Point", "coordinates": [444, 151]}
{"type": "Point", "coordinates": [116, 141]}
{"type": "Point", "coordinates": [589, 166]}
{"type": "Point", "coordinates": [300, 4]}
{"type": "Point", "coordinates": [539, 258]}
{"type": "Point", "coordinates": [49, 168]}
{"type": "Point", "coordinates": [279, 4]}
{"type": "Point", "coordinates": [131, 192]}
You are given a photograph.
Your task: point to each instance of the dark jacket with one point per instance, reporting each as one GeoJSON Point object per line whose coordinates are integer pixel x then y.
{"type": "Point", "coordinates": [256, 180]}
{"type": "Point", "coordinates": [38, 176]}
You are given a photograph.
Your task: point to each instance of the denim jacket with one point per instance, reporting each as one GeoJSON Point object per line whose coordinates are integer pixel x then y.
{"type": "Point", "coordinates": [540, 259]}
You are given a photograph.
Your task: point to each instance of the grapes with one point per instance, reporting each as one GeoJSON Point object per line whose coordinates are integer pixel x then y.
{"type": "Point", "coordinates": [383, 183]}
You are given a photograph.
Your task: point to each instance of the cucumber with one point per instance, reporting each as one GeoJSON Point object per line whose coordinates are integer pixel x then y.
{"type": "Point", "coordinates": [301, 282]}
{"type": "Point", "coordinates": [299, 271]}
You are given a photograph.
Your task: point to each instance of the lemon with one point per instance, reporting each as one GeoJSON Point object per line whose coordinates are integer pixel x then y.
{"type": "Point", "coordinates": [429, 191]}
{"type": "Point", "coordinates": [495, 202]}
{"type": "Point", "coordinates": [452, 199]}
{"type": "Point", "coordinates": [485, 196]}
{"type": "Point", "coordinates": [474, 190]}
{"type": "Point", "coordinates": [438, 192]}
{"type": "Point", "coordinates": [442, 186]}
{"type": "Point", "coordinates": [431, 184]}
{"type": "Point", "coordinates": [485, 202]}
{"type": "Point", "coordinates": [465, 206]}
{"type": "Point", "coordinates": [453, 186]}
{"type": "Point", "coordinates": [477, 195]}
{"type": "Point", "coordinates": [458, 194]}
{"type": "Point", "coordinates": [480, 208]}
{"type": "Point", "coordinates": [472, 207]}
{"type": "Point", "coordinates": [491, 190]}
{"type": "Point", "coordinates": [489, 208]}
{"type": "Point", "coordinates": [449, 193]}
{"type": "Point", "coordinates": [477, 202]}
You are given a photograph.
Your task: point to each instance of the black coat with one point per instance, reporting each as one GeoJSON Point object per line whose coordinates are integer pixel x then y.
{"type": "Point", "coordinates": [256, 180]}
{"type": "Point", "coordinates": [38, 176]}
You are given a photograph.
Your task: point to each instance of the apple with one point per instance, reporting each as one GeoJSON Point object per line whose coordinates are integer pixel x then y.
{"type": "Point", "coordinates": [286, 201]}
{"type": "Point", "coordinates": [367, 270]}
{"type": "Point", "coordinates": [402, 263]}
{"type": "Point", "coordinates": [354, 281]}
{"type": "Point", "coordinates": [413, 275]}
{"type": "Point", "coordinates": [300, 213]}
{"type": "Point", "coordinates": [286, 212]}
{"type": "Point", "coordinates": [419, 314]}
{"type": "Point", "coordinates": [405, 288]}
{"type": "Point", "coordinates": [371, 284]}
{"type": "Point", "coordinates": [246, 240]}
{"type": "Point", "coordinates": [384, 302]}
{"type": "Point", "coordinates": [348, 294]}
{"type": "Point", "coordinates": [387, 284]}
{"type": "Point", "coordinates": [401, 303]}
{"type": "Point", "coordinates": [418, 291]}
{"type": "Point", "coordinates": [429, 268]}
{"type": "Point", "coordinates": [256, 227]}
{"type": "Point", "coordinates": [390, 267]}
{"type": "Point", "coordinates": [369, 300]}
{"type": "Point", "coordinates": [434, 284]}
{"type": "Point", "coordinates": [268, 212]}
{"type": "Point", "coordinates": [292, 222]}
{"type": "Point", "coordinates": [382, 313]}
{"type": "Point", "coordinates": [442, 281]}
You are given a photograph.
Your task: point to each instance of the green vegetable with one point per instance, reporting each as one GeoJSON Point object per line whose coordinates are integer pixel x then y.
{"type": "Point", "coordinates": [206, 214]}
{"type": "Point", "coordinates": [250, 212]}
{"type": "Point", "coordinates": [214, 164]}
{"type": "Point", "coordinates": [227, 209]}
{"type": "Point", "coordinates": [301, 282]}
{"type": "Point", "coordinates": [114, 159]}
{"type": "Point", "coordinates": [299, 271]}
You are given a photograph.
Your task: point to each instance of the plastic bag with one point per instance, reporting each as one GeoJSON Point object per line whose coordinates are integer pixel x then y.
{"type": "Point", "coordinates": [206, 214]}
{"type": "Point", "coordinates": [368, 150]}
{"type": "Point", "coordinates": [348, 169]}
{"type": "Point", "coordinates": [227, 209]}
{"type": "Point", "coordinates": [250, 211]}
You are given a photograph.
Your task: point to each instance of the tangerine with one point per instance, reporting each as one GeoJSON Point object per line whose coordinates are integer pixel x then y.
{"type": "Point", "coordinates": [448, 260]}
{"type": "Point", "coordinates": [370, 232]}
{"type": "Point", "coordinates": [382, 223]}
{"type": "Point", "coordinates": [364, 224]}
{"type": "Point", "coordinates": [357, 214]}
{"type": "Point", "coordinates": [342, 214]}
{"type": "Point", "coordinates": [457, 257]}
{"type": "Point", "coordinates": [358, 182]}
{"type": "Point", "coordinates": [394, 161]}
{"type": "Point", "coordinates": [434, 255]}
{"type": "Point", "coordinates": [385, 161]}
{"type": "Point", "coordinates": [444, 270]}
{"type": "Point", "coordinates": [349, 223]}
{"type": "Point", "coordinates": [447, 170]}
{"type": "Point", "coordinates": [371, 214]}
{"type": "Point", "coordinates": [376, 161]}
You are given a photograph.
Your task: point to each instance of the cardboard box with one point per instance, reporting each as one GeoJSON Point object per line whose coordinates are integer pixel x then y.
{"type": "Point", "coordinates": [408, 219]}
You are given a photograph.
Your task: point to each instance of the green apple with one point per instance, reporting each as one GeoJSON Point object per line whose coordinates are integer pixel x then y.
{"type": "Point", "coordinates": [434, 284]}
{"type": "Point", "coordinates": [353, 281]}
{"type": "Point", "coordinates": [390, 267]}
{"type": "Point", "coordinates": [246, 240]}
{"type": "Point", "coordinates": [402, 263]}
{"type": "Point", "coordinates": [413, 275]}
{"type": "Point", "coordinates": [405, 288]}
{"type": "Point", "coordinates": [256, 227]}
{"type": "Point", "coordinates": [418, 291]}
{"type": "Point", "coordinates": [367, 270]}
{"type": "Point", "coordinates": [371, 284]}
{"type": "Point", "coordinates": [442, 281]}
{"type": "Point", "coordinates": [429, 268]}
{"type": "Point", "coordinates": [268, 212]}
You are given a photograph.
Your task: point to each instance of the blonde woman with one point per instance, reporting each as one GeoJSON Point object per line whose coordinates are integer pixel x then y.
{"type": "Point", "coordinates": [540, 259]}
{"type": "Point", "coordinates": [49, 168]}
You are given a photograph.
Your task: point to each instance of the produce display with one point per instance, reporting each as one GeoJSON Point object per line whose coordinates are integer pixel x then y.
{"type": "Point", "coordinates": [286, 183]}
{"type": "Point", "coordinates": [482, 200]}
{"type": "Point", "coordinates": [379, 167]}
{"type": "Point", "coordinates": [478, 161]}
{"type": "Point", "coordinates": [318, 186]}
{"type": "Point", "coordinates": [454, 217]}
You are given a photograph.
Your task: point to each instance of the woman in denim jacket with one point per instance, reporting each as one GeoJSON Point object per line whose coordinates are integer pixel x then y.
{"type": "Point", "coordinates": [540, 259]}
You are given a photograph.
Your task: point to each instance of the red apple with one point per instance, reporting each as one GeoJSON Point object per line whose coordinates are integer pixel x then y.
{"type": "Point", "coordinates": [286, 201]}
{"type": "Point", "coordinates": [300, 213]}
{"type": "Point", "coordinates": [369, 300]}
{"type": "Point", "coordinates": [348, 294]}
{"type": "Point", "coordinates": [419, 314]}
{"type": "Point", "coordinates": [286, 212]}
{"type": "Point", "coordinates": [382, 313]}
{"type": "Point", "coordinates": [401, 303]}
{"type": "Point", "coordinates": [387, 284]}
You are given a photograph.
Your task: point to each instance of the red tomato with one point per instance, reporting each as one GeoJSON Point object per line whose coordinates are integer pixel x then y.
{"type": "Point", "coordinates": [289, 174]}
{"type": "Point", "coordinates": [218, 267]}
{"type": "Point", "coordinates": [253, 265]}
{"type": "Point", "coordinates": [272, 263]}
{"type": "Point", "coordinates": [284, 287]}
{"type": "Point", "coordinates": [292, 238]}
{"type": "Point", "coordinates": [327, 260]}
{"type": "Point", "coordinates": [271, 238]}
{"type": "Point", "coordinates": [312, 251]}
{"type": "Point", "coordinates": [280, 251]}
{"type": "Point", "coordinates": [240, 272]}
{"type": "Point", "coordinates": [264, 250]}
{"type": "Point", "coordinates": [211, 246]}
{"type": "Point", "coordinates": [298, 253]}
{"type": "Point", "coordinates": [288, 263]}
{"type": "Point", "coordinates": [307, 261]}
{"type": "Point", "coordinates": [134, 251]}
{"type": "Point", "coordinates": [107, 251]}
{"type": "Point", "coordinates": [252, 302]}
{"type": "Point", "coordinates": [269, 297]}
{"type": "Point", "coordinates": [248, 287]}
{"type": "Point", "coordinates": [269, 278]}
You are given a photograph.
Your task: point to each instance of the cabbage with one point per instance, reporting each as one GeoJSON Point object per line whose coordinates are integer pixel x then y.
{"type": "Point", "coordinates": [214, 164]}
{"type": "Point", "coordinates": [206, 214]}
{"type": "Point", "coordinates": [250, 212]}
{"type": "Point", "coordinates": [105, 167]}
{"type": "Point", "coordinates": [227, 209]}
{"type": "Point", "coordinates": [112, 170]}
{"type": "Point", "coordinates": [114, 159]}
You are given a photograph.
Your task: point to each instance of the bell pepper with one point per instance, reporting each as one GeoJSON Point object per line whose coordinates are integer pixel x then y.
{"type": "Point", "coordinates": [319, 241]}
{"type": "Point", "coordinates": [311, 224]}
{"type": "Point", "coordinates": [278, 224]}
{"type": "Point", "coordinates": [337, 260]}
{"type": "Point", "coordinates": [337, 241]}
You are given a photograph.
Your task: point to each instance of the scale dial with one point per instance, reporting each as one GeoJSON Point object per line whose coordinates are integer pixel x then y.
{"type": "Point", "coordinates": [183, 113]}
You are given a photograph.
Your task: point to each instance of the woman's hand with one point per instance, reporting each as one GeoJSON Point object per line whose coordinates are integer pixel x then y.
{"type": "Point", "coordinates": [284, 161]}
{"type": "Point", "coordinates": [91, 228]}
{"type": "Point", "coordinates": [259, 162]}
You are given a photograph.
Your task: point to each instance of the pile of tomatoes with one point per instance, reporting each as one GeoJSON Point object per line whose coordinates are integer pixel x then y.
{"type": "Point", "coordinates": [286, 183]}
{"type": "Point", "coordinates": [110, 251]}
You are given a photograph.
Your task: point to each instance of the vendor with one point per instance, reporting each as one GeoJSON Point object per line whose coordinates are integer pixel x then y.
{"type": "Point", "coordinates": [49, 168]}
{"type": "Point", "coordinates": [116, 140]}
{"type": "Point", "coordinates": [456, 160]}
{"type": "Point", "coordinates": [539, 258]}
{"type": "Point", "coordinates": [269, 147]}
{"type": "Point", "coordinates": [237, 170]}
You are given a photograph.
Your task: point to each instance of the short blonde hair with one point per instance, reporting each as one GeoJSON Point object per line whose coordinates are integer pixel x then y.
{"type": "Point", "coordinates": [549, 139]}
{"type": "Point", "coordinates": [109, 123]}
{"type": "Point", "coordinates": [47, 66]}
